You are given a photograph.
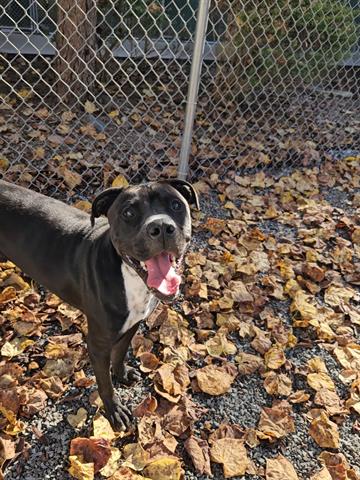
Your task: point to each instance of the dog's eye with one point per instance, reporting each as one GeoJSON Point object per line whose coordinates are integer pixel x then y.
{"type": "Point", "coordinates": [128, 213]}
{"type": "Point", "coordinates": [176, 205]}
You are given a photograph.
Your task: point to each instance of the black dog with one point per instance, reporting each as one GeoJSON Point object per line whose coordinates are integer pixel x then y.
{"type": "Point", "coordinates": [114, 269]}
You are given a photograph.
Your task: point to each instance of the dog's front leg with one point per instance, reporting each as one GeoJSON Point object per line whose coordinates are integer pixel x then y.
{"type": "Point", "coordinates": [99, 352]}
{"type": "Point", "coordinates": [122, 373]}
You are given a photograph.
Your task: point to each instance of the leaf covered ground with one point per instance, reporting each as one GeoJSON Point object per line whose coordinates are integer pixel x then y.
{"type": "Point", "coordinates": [254, 373]}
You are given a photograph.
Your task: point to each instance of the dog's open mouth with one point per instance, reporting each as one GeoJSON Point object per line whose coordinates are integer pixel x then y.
{"type": "Point", "coordinates": [162, 275]}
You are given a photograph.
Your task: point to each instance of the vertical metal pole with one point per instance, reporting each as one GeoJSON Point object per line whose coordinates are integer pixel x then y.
{"type": "Point", "coordinates": [196, 64]}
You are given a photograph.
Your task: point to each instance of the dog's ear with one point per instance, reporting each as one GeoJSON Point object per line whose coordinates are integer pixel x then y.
{"type": "Point", "coordinates": [103, 202]}
{"type": "Point", "coordinates": [186, 190]}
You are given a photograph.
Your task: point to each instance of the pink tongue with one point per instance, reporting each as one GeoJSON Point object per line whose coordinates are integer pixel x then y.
{"type": "Point", "coordinates": [161, 274]}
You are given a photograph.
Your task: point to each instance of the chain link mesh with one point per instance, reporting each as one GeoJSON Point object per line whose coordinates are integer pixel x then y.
{"type": "Point", "coordinates": [95, 89]}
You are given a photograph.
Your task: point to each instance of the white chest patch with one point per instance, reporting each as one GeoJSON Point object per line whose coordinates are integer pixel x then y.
{"type": "Point", "coordinates": [140, 302]}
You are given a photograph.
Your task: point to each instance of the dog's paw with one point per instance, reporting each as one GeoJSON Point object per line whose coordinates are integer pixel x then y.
{"type": "Point", "coordinates": [127, 376]}
{"type": "Point", "coordinates": [118, 414]}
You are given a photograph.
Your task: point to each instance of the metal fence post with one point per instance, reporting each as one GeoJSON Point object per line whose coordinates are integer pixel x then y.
{"type": "Point", "coordinates": [197, 60]}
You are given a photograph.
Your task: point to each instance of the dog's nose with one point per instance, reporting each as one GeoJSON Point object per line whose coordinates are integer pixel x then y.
{"type": "Point", "coordinates": [159, 227]}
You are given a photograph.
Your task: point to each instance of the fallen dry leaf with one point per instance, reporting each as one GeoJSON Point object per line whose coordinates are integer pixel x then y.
{"type": "Point", "coordinates": [216, 380]}
{"type": "Point", "coordinates": [325, 432]}
{"type": "Point", "coordinates": [78, 419]}
{"type": "Point", "coordinates": [280, 468]}
{"type": "Point", "coordinates": [199, 453]}
{"type": "Point", "coordinates": [276, 422]}
{"type": "Point", "coordinates": [164, 469]}
{"type": "Point", "coordinates": [275, 357]}
{"type": "Point", "coordinates": [248, 363]}
{"type": "Point", "coordinates": [278, 384]}
{"type": "Point", "coordinates": [231, 452]}
{"type": "Point", "coordinates": [324, 474]}
{"type": "Point", "coordinates": [96, 451]}
{"type": "Point", "coordinates": [80, 470]}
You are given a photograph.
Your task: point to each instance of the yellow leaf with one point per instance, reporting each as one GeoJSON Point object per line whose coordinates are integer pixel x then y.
{"type": "Point", "coordinates": [79, 470]}
{"type": "Point", "coordinates": [102, 428]}
{"type": "Point", "coordinates": [320, 380]}
{"type": "Point", "coordinates": [113, 113]}
{"type": "Point", "coordinates": [90, 107]}
{"type": "Point", "coordinates": [120, 182]}
{"type": "Point", "coordinates": [125, 473]}
{"type": "Point", "coordinates": [336, 296]}
{"type": "Point", "coordinates": [39, 153]}
{"type": "Point", "coordinates": [349, 356]}
{"type": "Point", "coordinates": [9, 293]}
{"type": "Point", "coordinates": [78, 420]}
{"type": "Point", "coordinates": [4, 163]}
{"type": "Point", "coordinates": [14, 426]}
{"type": "Point", "coordinates": [316, 365]}
{"type": "Point", "coordinates": [24, 93]}
{"type": "Point", "coordinates": [231, 452]}
{"type": "Point", "coordinates": [280, 468]}
{"type": "Point", "coordinates": [112, 464]}
{"type": "Point", "coordinates": [164, 469]}
{"type": "Point", "coordinates": [15, 347]}
{"type": "Point", "coordinates": [83, 205]}
{"type": "Point", "coordinates": [303, 308]}
{"type": "Point", "coordinates": [275, 357]}
{"type": "Point", "coordinates": [136, 457]}
{"type": "Point", "coordinates": [220, 345]}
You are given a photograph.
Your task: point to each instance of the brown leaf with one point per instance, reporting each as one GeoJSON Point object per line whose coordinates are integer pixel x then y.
{"type": "Point", "coordinates": [239, 292]}
{"type": "Point", "coordinates": [231, 452]}
{"type": "Point", "coordinates": [330, 400]}
{"type": "Point", "coordinates": [52, 386]}
{"type": "Point", "coordinates": [313, 271]}
{"type": "Point", "coordinates": [91, 450]}
{"type": "Point", "coordinates": [280, 468]}
{"type": "Point", "coordinates": [338, 466]}
{"type": "Point", "coordinates": [325, 432]}
{"type": "Point", "coordinates": [199, 453]}
{"type": "Point", "coordinates": [7, 449]}
{"type": "Point", "coordinates": [149, 362]}
{"type": "Point", "coordinates": [261, 342]}
{"type": "Point", "coordinates": [324, 474]}
{"type": "Point", "coordinates": [216, 380]}
{"type": "Point", "coordinates": [171, 381]}
{"type": "Point", "coordinates": [72, 179]}
{"type": "Point", "coordinates": [276, 422]}
{"type": "Point", "coordinates": [148, 405]}
{"type": "Point", "coordinates": [277, 384]}
{"type": "Point", "coordinates": [300, 396]}
{"type": "Point", "coordinates": [248, 363]}
{"type": "Point", "coordinates": [35, 401]}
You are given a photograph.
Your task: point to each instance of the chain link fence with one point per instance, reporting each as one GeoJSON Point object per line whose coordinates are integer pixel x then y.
{"type": "Point", "coordinates": [94, 89]}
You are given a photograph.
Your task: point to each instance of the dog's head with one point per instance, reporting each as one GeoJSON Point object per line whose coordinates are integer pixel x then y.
{"type": "Point", "coordinates": [151, 224]}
